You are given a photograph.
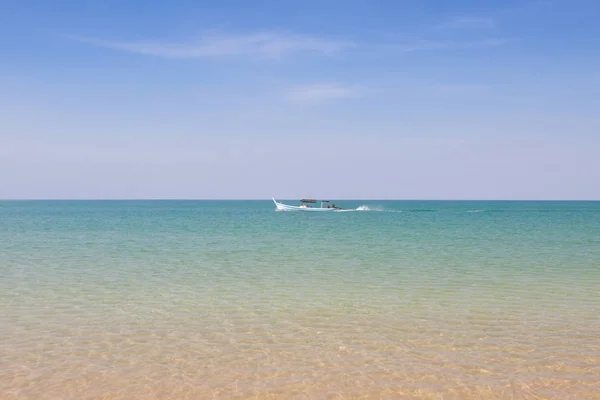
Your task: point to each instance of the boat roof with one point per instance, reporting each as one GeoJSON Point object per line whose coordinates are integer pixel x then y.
{"type": "Point", "coordinates": [308, 201]}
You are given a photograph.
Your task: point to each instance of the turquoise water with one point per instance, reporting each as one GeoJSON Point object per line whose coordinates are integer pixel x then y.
{"type": "Point", "coordinates": [230, 299]}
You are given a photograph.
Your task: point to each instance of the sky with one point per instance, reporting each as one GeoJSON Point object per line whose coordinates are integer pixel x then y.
{"type": "Point", "coordinates": [389, 99]}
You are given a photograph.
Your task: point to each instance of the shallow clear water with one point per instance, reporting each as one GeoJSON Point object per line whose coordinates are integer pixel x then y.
{"type": "Point", "coordinates": [208, 299]}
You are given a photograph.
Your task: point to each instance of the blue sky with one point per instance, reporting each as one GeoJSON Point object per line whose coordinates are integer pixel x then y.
{"type": "Point", "coordinates": [409, 99]}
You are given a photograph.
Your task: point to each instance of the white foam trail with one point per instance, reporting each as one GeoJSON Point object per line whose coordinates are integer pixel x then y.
{"type": "Point", "coordinates": [365, 207]}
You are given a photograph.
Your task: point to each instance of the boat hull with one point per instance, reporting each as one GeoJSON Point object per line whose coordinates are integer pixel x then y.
{"type": "Point", "coordinates": [286, 207]}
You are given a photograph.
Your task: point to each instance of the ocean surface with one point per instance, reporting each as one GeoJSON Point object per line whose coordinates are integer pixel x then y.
{"type": "Point", "coordinates": [232, 300]}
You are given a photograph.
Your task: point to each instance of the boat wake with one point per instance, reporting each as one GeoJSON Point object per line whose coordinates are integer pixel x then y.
{"type": "Point", "coordinates": [374, 208]}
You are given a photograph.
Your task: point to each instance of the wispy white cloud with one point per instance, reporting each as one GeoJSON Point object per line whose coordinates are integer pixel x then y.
{"type": "Point", "coordinates": [276, 45]}
{"type": "Point", "coordinates": [265, 44]}
{"type": "Point", "coordinates": [317, 92]}
{"type": "Point", "coordinates": [468, 23]}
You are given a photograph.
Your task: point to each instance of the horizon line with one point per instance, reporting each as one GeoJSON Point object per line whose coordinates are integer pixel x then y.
{"type": "Point", "coordinates": [282, 198]}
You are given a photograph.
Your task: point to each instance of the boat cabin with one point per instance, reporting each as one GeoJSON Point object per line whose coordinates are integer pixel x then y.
{"type": "Point", "coordinates": [307, 203]}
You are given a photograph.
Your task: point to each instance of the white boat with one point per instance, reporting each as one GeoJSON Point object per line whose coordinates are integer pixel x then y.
{"type": "Point", "coordinates": [309, 206]}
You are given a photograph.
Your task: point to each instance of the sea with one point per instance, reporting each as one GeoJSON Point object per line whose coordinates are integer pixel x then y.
{"type": "Point", "coordinates": [234, 300]}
